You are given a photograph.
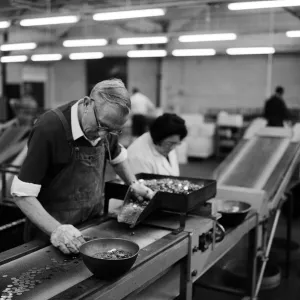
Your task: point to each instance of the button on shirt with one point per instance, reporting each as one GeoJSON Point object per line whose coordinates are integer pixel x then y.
{"type": "Point", "coordinates": [49, 151]}
{"type": "Point", "coordinates": [144, 158]}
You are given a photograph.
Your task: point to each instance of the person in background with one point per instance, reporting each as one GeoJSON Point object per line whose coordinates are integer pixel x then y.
{"type": "Point", "coordinates": [60, 184]}
{"type": "Point", "coordinates": [26, 108]}
{"type": "Point", "coordinates": [154, 151]}
{"type": "Point", "coordinates": [142, 112]}
{"type": "Point", "coordinates": [275, 110]}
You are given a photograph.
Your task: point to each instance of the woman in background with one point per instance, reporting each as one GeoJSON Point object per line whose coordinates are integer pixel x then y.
{"type": "Point", "coordinates": [154, 151]}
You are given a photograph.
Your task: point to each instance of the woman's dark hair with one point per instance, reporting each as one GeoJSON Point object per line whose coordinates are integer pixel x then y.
{"type": "Point", "coordinates": [167, 125]}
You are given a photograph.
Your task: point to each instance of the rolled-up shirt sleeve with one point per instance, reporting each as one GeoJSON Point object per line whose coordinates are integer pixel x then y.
{"type": "Point", "coordinates": [35, 165]}
{"type": "Point", "coordinates": [116, 153]}
{"type": "Point", "coordinates": [20, 188]}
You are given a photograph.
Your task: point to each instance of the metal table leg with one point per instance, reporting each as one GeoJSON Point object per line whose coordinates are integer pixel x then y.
{"type": "Point", "coordinates": [186, 284]}
{"type": "Point", "coordinates": [289, 235]}
{"type": "Point", "coordinates": [252, 260]}
{"type": "Point", "coordinates": [266, 255]}
{"type": "Point", "coordinates": [253, 239]}
{"type": "Point", "coordinates": [3, 185]}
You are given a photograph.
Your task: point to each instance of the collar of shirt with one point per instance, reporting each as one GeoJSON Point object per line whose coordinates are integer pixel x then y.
{"type": "Point", "coordinates": [169, 164]}
{"type": "Point", "coordinates": [152, 146]}
{"type": "Point", "coordinates": [75, 126]}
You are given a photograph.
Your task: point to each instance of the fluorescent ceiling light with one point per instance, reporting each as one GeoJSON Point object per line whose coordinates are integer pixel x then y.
{"type": "Point", "coordinates": [85, 43]}
{"type": "Point", "coordinates": [46, 57]}
{"type": "Point", "coordinates": [143, 40]}
{"type": "Point", "coordinates": [49, 21]}
{"type": "Point", "coordinates": [193, 52]}
{"type": "Point", "coordinates": [207, 37]}
{"type": "Point", "coordinates": [4, 24]}
{"type": "Point", "coordinates": [13, 58]}
{"type": "Point", "coordinates": [16, 47]}
{"type": "Point", "coordinates": [250, 50]}
{"type": "Point", "coordinates": [129, 14]}
{"type": "Point", "coordinates": [263, 4]}
{"type": "Point", "coordinates": [147, 53]}
{"type": "Point", "coordinates": [293, 33]}
{"type": "Point", "coordinates": [86, 55]}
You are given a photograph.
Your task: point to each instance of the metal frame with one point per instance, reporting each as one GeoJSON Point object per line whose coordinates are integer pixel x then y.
{"type": "Point", "coordinates": [254, 252]}
{"type": "Point", "coordinates": [229, 242]}
{"type": "Point", "coordinates": [153, 260]}
{"type": "Point", "coordinates": [170, 250]}
{"type": "Point", "coordinates": [4, 169]}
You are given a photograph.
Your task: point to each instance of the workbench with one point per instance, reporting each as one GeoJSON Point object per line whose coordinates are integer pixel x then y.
{"type": "Point", "coordinates": [36, 271]}
{"type": "Point", "coordinates": [169, 262]}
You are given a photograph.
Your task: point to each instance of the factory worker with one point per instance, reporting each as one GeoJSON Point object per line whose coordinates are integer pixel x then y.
{"type": "Point", "coordinates": [142, 112]}
{"type": "Point", "coordinates": [60, 184]}
{"type": "Point", "coordinates": [275, 110]}
{"type": "Point", "coordinates": [141, 104]}
{"type": "Point", "coordinates": [154, 151]}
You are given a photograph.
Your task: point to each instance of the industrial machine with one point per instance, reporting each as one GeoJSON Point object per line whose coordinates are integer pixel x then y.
{"type": "Point", "coordinates": [259, 171]}
{"type": "Point", "coordinates": [37, 271]}
{"type": "Point", "coordinates": [177, 247]}
{"type": "Point", "coordinates": [13, 150]}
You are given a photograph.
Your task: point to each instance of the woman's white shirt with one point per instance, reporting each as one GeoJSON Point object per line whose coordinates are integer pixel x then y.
{"type": "Point", "coordinates": [144, 158]}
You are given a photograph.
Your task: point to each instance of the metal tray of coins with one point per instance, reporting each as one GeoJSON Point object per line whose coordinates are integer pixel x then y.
{"type": "Point", "coordinates": [134, 211]}
{"type": "Point", "coordinates": [174, 194]}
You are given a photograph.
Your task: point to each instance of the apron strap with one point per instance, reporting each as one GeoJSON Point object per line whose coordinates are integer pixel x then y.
{"type": "Point", "coordinates": [65, 124]}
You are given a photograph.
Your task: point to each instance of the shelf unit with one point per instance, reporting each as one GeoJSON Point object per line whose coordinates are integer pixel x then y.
{"type": "Point", "coordinates": [227, 138]}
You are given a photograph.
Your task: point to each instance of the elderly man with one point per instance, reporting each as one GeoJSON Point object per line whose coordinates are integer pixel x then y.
{"type": "Point", "coordinates": [61, 180]}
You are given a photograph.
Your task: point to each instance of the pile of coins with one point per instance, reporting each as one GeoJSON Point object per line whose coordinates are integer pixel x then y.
{"type": "Point", "coordinates": [35, 276]}
{"type": "Point", "coordinates": [130, 212]}
{"type": "Point", "coordinates": [22, 284]}
{"type": "Point", "coordinates": [169, 185]}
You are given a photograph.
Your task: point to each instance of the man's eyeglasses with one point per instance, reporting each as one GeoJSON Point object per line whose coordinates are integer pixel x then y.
{"type": "Point", "coordinates": [102, 128]}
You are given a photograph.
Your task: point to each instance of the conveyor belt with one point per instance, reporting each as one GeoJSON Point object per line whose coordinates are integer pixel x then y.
{"type": "Point", "coordinates": [254, 162]}
{"type": "Point", "coordinates": [12, 135]}
{"type": "Point", "coordinates": [279, 172]}
{"type": "Point", "coordinates": [46, 273]}
{"type": "Point", "coordinates": [12, 151]}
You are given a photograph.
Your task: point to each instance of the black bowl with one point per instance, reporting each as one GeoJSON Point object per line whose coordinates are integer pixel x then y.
{"type": "Point", "coordinates": [233, 212]}
{"type": "Point", "coordinates": [108, 268]}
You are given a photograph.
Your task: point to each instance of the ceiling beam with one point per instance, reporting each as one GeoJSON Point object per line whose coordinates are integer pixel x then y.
{"type": "Point", "coordinates": [292, 12]}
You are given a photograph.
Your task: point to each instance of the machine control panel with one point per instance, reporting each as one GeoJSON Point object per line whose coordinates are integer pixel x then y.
{"type": "Point", "coordinates": [203, 241]}
{"type": "Point", "coordinates": [207, 238]}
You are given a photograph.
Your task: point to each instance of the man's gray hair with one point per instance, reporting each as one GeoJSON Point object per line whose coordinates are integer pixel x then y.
{"type": "Point", "coordinates": [114, 92]}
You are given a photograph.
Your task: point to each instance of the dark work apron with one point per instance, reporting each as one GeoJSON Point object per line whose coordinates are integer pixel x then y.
{"type": "Point", "coordinates": [75, 194]}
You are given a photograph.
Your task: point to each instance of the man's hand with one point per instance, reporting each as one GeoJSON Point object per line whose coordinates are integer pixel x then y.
{"type": "Point", "coordinates": [67, 238]}
{"type": "Point", "coordinates": [141, 191]}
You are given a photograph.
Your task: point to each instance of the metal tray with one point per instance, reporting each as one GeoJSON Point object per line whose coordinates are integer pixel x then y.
{"type": "Point", "coordinates": [168, 201]}
{"type": "Point", "coordinates": [152, 205]}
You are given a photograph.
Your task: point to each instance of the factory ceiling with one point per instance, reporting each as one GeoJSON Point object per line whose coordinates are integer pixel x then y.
{"type": "Point", "coordinates": [254, 28]}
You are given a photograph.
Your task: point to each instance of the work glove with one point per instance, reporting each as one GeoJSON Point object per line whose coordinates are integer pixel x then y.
{"type": "Point", "coordinates": [141, 191]}
{"type": "Point", "coordinates": [67, 238]}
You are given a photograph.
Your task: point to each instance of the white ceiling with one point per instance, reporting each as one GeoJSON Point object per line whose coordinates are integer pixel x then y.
{"type": "Point", "coordinates": [254, 28]}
